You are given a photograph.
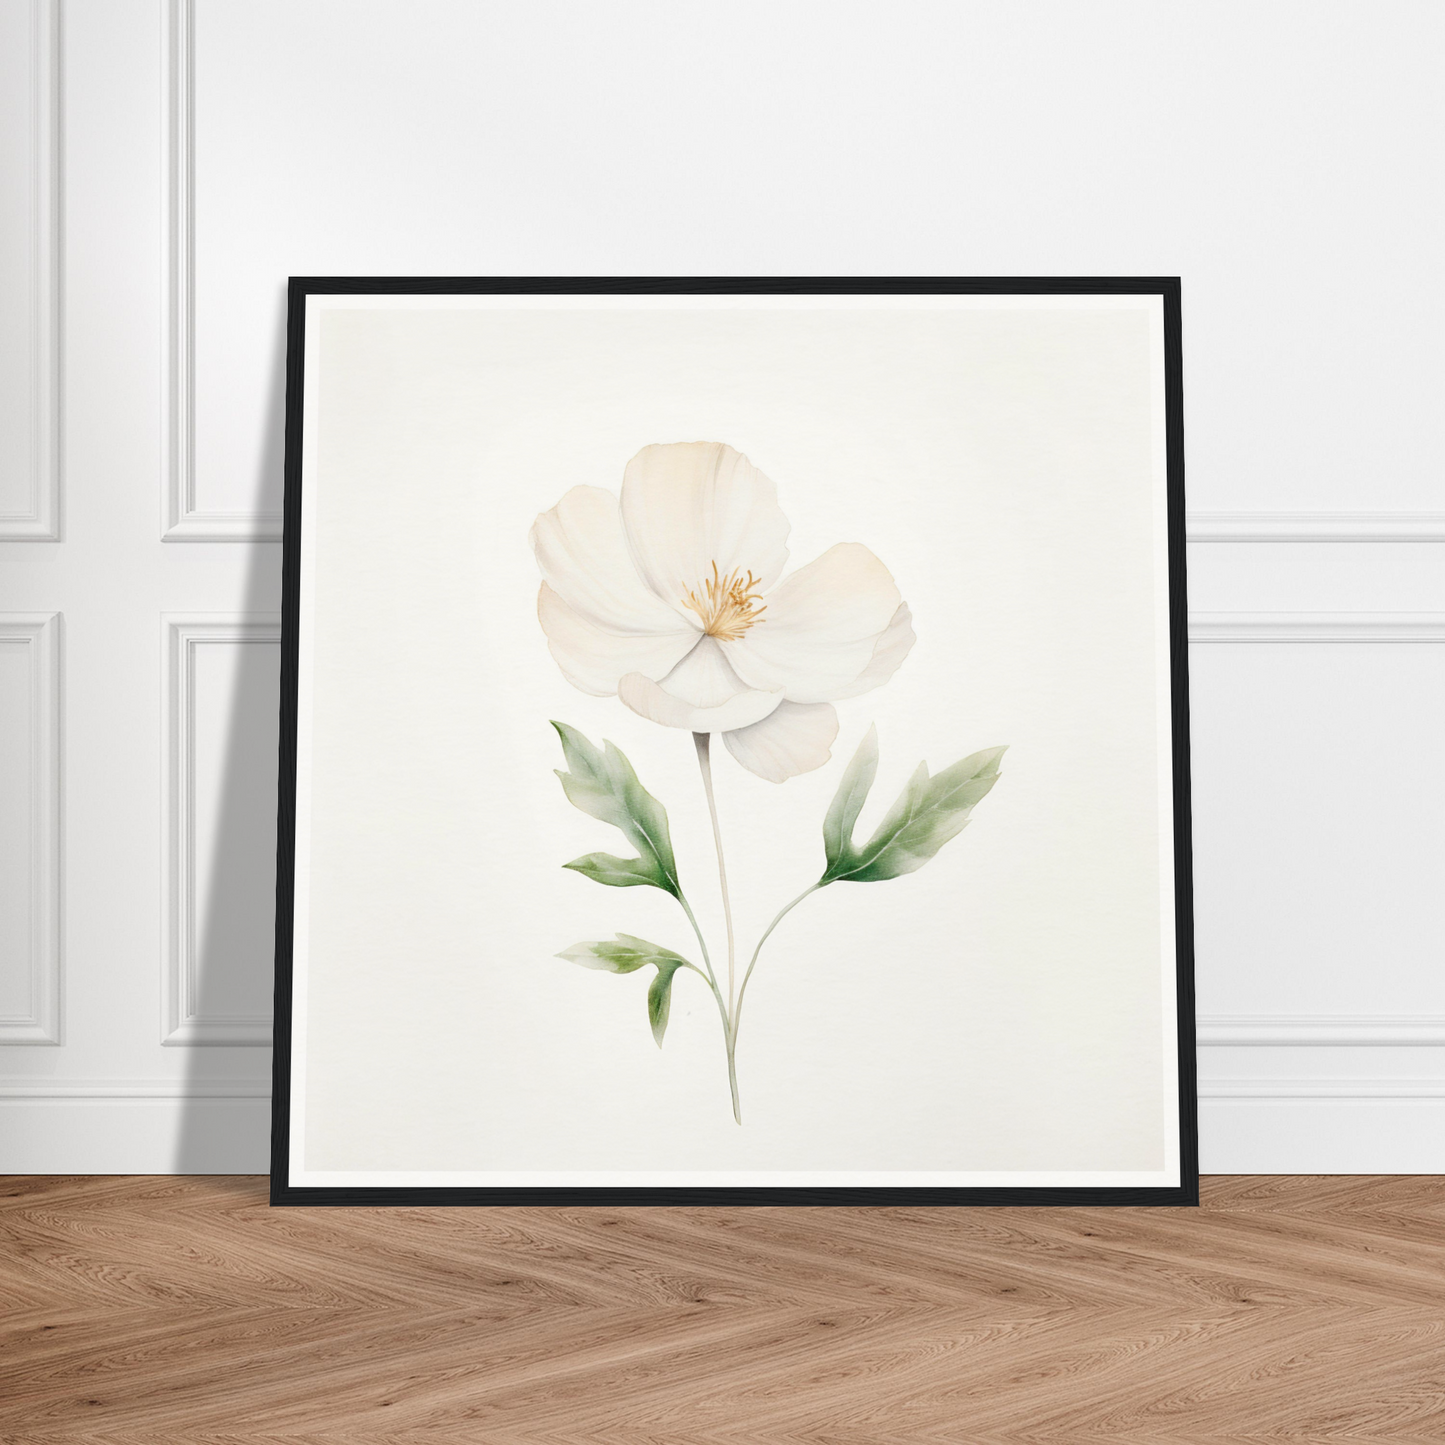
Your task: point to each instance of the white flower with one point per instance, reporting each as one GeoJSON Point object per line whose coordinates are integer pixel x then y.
{"type": "Point", "coordinates": [672, 600]}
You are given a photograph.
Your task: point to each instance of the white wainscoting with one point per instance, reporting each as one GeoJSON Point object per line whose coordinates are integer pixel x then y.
{"type": "Point", "coordinates": [30, 828]}
{"type": "Point", "coordinates": [218, 817]}
{"type": "Point", "coordinates": [1328, 1063]}
{"type": "Point", "coordinates": [30, 272]}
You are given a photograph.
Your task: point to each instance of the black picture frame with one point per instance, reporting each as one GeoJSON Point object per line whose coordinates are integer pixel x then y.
{"type": "Point", "coordinates": [283, 1192]}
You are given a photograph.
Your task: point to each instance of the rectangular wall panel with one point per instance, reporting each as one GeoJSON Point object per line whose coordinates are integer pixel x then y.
{"type": "Point", "coordinates": [29, 280]}
{"type": "Point", "coordinates": [29, 829]}
{"type": "Point", "coordinates": [219, 815]}
{"type": "Point", "coordinates": [1318, 835]}
{"type": "Point", "coordinates": [215, 500]}
{"type": "Point", "coordinates": [1319, 840]}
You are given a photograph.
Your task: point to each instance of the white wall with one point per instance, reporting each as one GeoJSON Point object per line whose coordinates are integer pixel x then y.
{"type": "Point", "coordinates": [164, 165]}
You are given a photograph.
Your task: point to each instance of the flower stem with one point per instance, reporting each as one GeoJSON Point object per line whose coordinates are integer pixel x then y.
{"type": "Point", "coordinates": [703, 743]}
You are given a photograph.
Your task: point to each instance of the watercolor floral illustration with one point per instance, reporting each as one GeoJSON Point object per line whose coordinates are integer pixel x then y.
{"type": "Point", "coordinates": [675, 598]}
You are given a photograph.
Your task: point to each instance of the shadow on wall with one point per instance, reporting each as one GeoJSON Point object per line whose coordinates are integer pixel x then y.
{"type": "Point", "coordinates": [225, 1116]}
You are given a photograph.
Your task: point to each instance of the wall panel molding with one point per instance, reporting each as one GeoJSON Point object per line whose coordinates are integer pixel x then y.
{"type": "Point", "coordinates": [135, 1088]}
{"type": "Point", "coordinates": [1290, 627]}
{"type": "Point", "coordinates": [183, 519]}
{"type": "Point", "coordinates": [1315, 526]}
{"type": "Point", "coordinates": [39, 521]}
{"type": "Point", "coordinates": [181, 1019]}
{"type": "Point", "coordinates": [1369, 1089]}
{"type": "Point", "coordinates": [1344, 1088]}
{"type": "Point", "coordinates": [1428, 1088]}
{"type": "Point", "coordinates": [1321, 1031]}
{"type": "Point", "coordinates": [39, 634]}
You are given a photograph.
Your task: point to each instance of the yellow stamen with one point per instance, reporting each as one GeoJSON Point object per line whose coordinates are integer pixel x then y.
{"type": "Point", "coordinates": [729, 605]}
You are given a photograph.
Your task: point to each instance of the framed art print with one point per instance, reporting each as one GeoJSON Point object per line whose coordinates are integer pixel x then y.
{"type": "Point", "coordinates": [734, 744]}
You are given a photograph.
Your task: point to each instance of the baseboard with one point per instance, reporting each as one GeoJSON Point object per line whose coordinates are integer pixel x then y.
{"type": "Point", "coordinates": [120, 1135]}
{"type": "Point", "coordinates": [1322, 1135]}
{"type": "Point", "coordinates": [1307, 1135]}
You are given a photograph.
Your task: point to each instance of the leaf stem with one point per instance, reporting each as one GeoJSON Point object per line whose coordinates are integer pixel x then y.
{"type": "Point", "coordinates": [707, 962]}
{"type": "Point", "coordinates": [702, 742]}
{"type": "Point", "coordinates": [701, 941]}
{"type": "Point", "coordinates": [742, 992]}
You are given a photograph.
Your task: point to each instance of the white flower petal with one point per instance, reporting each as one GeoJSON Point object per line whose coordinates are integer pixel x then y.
{"type": "Point", "coordinates": [794, 738]}
{"type": "Point", "coordinates": [653, 701]}
{"type": "Point", "coordinates": [702, 678]}
{"type": "Point", "coordinates": [888, 654]}
{"type": "Point", "coordinates": [820, 627]}
{"type": "Point", "coordinates": [702, 693]}
{"type": "Point", "coordinates": [689, 505]}
{"type": "Point", "coordinates": [583, 553]}
{"type": "Point", "coordinates": [594, 658]}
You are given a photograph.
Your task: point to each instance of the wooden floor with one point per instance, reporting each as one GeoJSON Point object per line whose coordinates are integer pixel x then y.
{"type": "Point", "coordinates": [163, 1310]}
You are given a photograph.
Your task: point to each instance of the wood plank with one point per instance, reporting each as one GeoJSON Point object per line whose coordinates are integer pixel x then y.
{"type": "Point", "coordinates": [184, 1309]}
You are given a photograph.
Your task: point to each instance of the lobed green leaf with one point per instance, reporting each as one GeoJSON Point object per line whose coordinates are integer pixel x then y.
{"type": "Point", "coordinates": [602, 783]}
{"type": "Point", "coordinates": [928, 812]}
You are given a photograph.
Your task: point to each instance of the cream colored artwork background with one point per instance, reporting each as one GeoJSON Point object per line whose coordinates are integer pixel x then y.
{"type": "Point", "coordinates": [1002, 1011]}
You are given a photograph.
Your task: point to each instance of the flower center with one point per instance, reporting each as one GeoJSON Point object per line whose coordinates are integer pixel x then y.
{"type": "Point", "coordinates": [729, 605]}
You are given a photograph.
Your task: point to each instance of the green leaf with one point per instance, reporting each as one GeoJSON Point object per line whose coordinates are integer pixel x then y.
{"type": "Point", "coordinates": [602, 782]}
{"type": "Point", "coordinates": [849, 799]}
{"type": "Point", "coordinates": [626, 954]}
{"type": "Point", "coordinates": [659, 999]}
{"type": "Point", "coordinates": [928, 812]}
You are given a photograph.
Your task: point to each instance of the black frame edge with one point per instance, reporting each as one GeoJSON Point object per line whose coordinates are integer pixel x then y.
{"type": "Point", "coordinates": [281, 1191]}
{"type": "Point", "coordinates": [1186, 1193]}
{"type": "Point", "coordinates": [1183, 791]}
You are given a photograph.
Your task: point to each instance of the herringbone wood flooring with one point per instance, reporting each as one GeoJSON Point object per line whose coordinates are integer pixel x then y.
{"type": "Point", "coordinates": [185, 1310]}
